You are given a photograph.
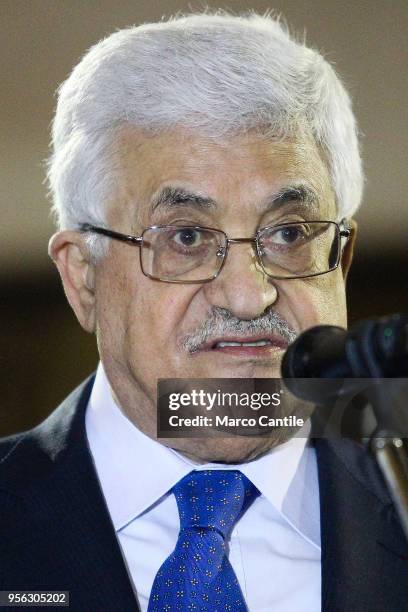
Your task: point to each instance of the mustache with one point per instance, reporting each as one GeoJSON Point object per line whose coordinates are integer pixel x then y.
{"type": "Point", "coordinates": [222, 323]}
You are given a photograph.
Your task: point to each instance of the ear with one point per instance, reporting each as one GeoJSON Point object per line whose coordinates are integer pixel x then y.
{"type": "Point", "coordinates": [347, 255]}
{"type": "Point", "coordinates": [70, 254]}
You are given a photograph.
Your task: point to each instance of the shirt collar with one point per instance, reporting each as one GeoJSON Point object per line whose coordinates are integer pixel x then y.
{"type": "Point", "coordinates": [136, 471]}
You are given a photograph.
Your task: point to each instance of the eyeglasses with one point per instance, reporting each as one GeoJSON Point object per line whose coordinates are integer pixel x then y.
{"type": "Point", "coordinates": [195, 254]}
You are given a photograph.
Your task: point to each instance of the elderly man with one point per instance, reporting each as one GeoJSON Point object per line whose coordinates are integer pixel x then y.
{"type": "Point", "coordinates": [204, 174]}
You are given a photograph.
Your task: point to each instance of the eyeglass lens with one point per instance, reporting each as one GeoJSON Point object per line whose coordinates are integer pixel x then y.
{"type": "Point", "coordinates": [182, 253]}
{"type": "Point", "coordinates": [301, 249]}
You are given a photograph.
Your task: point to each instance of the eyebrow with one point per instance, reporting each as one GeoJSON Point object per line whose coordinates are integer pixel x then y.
{"type": "Point", "coordinates": [177, 196]}
{"type": "Point", "coordinates": [295, 194]}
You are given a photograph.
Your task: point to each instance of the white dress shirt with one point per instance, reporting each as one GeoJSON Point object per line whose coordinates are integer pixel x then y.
{"type": "Point", "coordinates": [274, 548]}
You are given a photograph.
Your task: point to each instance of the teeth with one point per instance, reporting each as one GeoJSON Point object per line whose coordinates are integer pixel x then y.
{"type": "Point", "coordinates": [257, 343]}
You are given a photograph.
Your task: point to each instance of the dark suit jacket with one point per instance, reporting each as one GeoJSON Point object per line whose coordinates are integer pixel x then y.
{"type": "Point", "coordinates": [56, 532]}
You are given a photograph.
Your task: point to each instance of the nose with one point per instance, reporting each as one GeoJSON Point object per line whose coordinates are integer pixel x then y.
{"type": "Point", "coordinates": [241, 286]}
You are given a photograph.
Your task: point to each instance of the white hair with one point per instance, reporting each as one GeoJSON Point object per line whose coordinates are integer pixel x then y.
{"type": "Point", "coordinates": [218, 74]}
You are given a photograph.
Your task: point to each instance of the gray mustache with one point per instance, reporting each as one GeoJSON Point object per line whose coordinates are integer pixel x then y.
{"type": "Point", "coordinates": [222, 323]}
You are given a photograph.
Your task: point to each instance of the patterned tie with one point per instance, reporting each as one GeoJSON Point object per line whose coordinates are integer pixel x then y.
{"type": "Point", "coordinates": [198, 575]}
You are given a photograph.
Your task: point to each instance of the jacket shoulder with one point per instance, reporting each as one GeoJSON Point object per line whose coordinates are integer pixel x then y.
{"type": "Point", "coordinates": [8, 444]}
{"type": "Point", "coordinates": [28, 455]}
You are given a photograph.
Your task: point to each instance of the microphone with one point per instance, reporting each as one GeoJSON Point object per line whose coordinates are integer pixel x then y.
{"type": "Point", "coordinates": [375, 348]}
{"type": "Point", "coordinates": [327, 363]}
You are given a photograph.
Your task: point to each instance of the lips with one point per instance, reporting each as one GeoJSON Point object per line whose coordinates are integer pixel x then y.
{"type": "Point", "coordinates": [247, 344]}
{"type": "Point", "coordinates": [257, 343]}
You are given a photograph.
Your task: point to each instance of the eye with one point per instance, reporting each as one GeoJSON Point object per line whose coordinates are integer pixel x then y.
{"type": "Point", "coordinates": [188, 237]}
{"type": "Point", "coordinates": [289, 234]}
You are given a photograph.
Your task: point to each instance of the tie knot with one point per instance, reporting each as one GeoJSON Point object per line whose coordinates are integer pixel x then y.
{"type": "Point", "coordinates": [213, 499]}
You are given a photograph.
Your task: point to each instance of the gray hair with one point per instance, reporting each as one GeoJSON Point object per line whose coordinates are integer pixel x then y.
{"type": "Point", "coordinates": [218, 74]}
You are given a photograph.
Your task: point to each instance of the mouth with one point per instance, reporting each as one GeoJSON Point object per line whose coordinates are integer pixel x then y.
{"type": "Point", "coordinates": [248, 346]}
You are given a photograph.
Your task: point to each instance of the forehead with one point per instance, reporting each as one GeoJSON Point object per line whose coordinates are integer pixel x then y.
{"type": "Point", "coordinates": [246, 172]}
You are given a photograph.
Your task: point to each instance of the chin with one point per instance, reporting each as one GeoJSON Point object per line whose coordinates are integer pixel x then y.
{"type": "Point", "coordinates": [239, 449]}
{"type": "Point", "coordinates": [247, 369]}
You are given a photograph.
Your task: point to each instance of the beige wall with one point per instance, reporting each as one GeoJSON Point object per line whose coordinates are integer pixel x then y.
{"type": "Point", "coordinates": [42, 39]}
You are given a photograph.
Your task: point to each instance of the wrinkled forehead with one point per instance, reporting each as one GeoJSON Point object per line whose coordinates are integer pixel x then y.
{"type": "Point", "coordinates": [243, 174]}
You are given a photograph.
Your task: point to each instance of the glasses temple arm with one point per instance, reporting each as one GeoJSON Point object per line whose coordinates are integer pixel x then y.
{"type": "Point", "coordinates": [111, 234]}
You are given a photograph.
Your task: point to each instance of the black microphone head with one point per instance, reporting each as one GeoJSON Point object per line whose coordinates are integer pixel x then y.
{"type": "Point", "coordinates": [312, 367]}
{"type": "Point", "coordinates": [391, 345]}
{"type": "Point", "coordinates": [322, 358]}
{"type": "Point", "coordinates": [316, 353]}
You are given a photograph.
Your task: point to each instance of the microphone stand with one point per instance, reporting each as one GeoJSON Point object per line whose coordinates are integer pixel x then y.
{"type": "Point", "coordinates": [369, 340]}
{"type": "Point", "coordinates": [388, 449]}
{"type": "Point", "coordinates": [387, 446]}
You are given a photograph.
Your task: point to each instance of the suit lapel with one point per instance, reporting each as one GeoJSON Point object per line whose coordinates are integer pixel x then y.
{"type": "Point", "coordinates": [63, 537]}
{"type": "Point", "coordinates": [364, 550]}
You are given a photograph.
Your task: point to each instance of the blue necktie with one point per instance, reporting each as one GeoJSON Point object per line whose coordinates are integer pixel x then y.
{"type": "Point", "coordinates": [198, 576]}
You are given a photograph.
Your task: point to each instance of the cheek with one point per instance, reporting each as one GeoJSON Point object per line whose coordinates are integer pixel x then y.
{"type": "Point", "coordinates": [152, 319]}
{"type": "Point", "coordinates": [111, 307]}
{"type": "Point", "coordinates": [138, 322]}
{"type": "Point", "coordinates": [150, 314]}
{"type": "Point", "coordinates": [317, 301]}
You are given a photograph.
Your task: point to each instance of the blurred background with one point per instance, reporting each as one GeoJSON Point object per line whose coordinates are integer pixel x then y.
{"type": "Point", "coordinates": [43, 352]}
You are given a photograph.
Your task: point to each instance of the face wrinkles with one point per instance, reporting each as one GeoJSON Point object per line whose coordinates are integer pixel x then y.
{"type": "Point", "coordinates": [292, 161]}
{"type": "Point", "coordinates": [143, 324]}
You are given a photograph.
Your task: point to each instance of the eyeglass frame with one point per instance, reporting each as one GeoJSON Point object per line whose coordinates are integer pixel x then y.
{"type": "Point", "coordinates": [138, 241]}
